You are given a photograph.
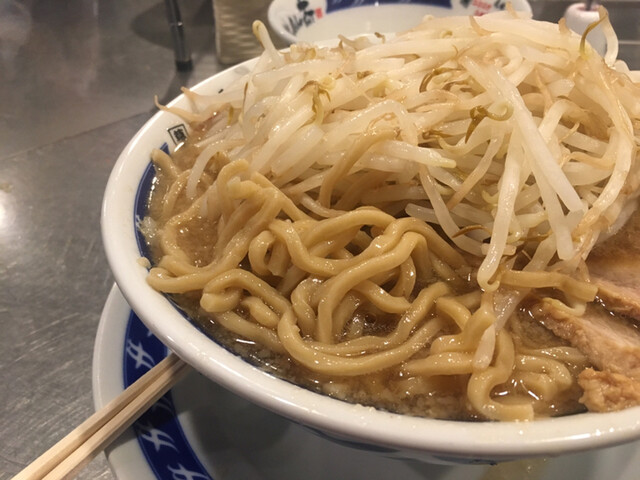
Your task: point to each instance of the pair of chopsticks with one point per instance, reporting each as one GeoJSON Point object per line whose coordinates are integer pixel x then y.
{"type": "Point", "coordinates": [67, 457]}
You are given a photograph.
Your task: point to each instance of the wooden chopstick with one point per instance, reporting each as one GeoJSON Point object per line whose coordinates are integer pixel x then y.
{"type": "Point", "coordinates": [67, 457]}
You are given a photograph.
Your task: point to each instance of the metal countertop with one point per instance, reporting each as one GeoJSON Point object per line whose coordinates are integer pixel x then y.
{"type": "Point", "coordinates": [77, 80]}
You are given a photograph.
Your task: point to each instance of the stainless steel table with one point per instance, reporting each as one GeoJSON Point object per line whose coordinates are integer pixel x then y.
{"type": "Point", "coordinates": [77, 80]}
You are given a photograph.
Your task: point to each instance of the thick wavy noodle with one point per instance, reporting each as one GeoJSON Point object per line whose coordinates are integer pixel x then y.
{"type": "Point", "coordinates": [375, 216]}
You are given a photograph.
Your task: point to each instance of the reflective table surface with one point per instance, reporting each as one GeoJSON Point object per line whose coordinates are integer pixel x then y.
{"type": "Point", "coordinates": [77, 80]}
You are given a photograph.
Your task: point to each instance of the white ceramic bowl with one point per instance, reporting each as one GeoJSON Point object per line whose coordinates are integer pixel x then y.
{"type": "Point", "coordinates": [315, 20]}
{"type": "Point", "coordinates": [431, 440]}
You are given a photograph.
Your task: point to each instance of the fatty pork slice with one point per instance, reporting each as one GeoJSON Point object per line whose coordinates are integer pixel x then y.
{"type": "Point", "coordinates": [607, 391]}
{"type": "Point", "coordinates": [612, 345]}
{"type": "Point", "coordinates": [614, 267]}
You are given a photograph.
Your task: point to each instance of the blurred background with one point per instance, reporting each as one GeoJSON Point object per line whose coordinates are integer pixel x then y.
{"type": "Point", "coordinates": [77, 80]}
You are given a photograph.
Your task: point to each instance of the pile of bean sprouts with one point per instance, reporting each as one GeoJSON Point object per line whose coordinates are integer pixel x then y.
{"type": "Point", "coordinates": [512, 137]}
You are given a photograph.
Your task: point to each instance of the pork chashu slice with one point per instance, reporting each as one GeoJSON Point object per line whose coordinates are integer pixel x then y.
{"type": "Point", "coordinates": [612, 345]}
{"type": "Point", "coordinates": [614, 266]}
{"type": "Point", "coordinates": [611, 342]}
{"type": "Point", "coordinates": [607, 391]}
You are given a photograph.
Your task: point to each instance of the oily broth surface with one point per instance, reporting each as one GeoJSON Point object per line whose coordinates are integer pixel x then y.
{"type": "Point", "coordinates": [382, 390]}
{"type": "Point", "coordinates": [444, 396]}
{"type": "Point", "coordinates": [388, 390]}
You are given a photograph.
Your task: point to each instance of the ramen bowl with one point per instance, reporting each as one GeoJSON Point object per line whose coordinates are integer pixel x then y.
{"type": "Point", "coordinates": [315, 20]}
{"type": "Point", "coordinates": [364, 427]}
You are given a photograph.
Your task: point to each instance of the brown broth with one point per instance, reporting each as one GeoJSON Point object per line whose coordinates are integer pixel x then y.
{"type": "Point", "coordinates": [440, 397]}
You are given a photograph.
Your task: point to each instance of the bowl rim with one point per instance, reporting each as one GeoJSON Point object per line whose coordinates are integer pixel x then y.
{"type": "Point", "coordinates": [440, 440]}
{"type": "Point", "coordinates": [278, 8]}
